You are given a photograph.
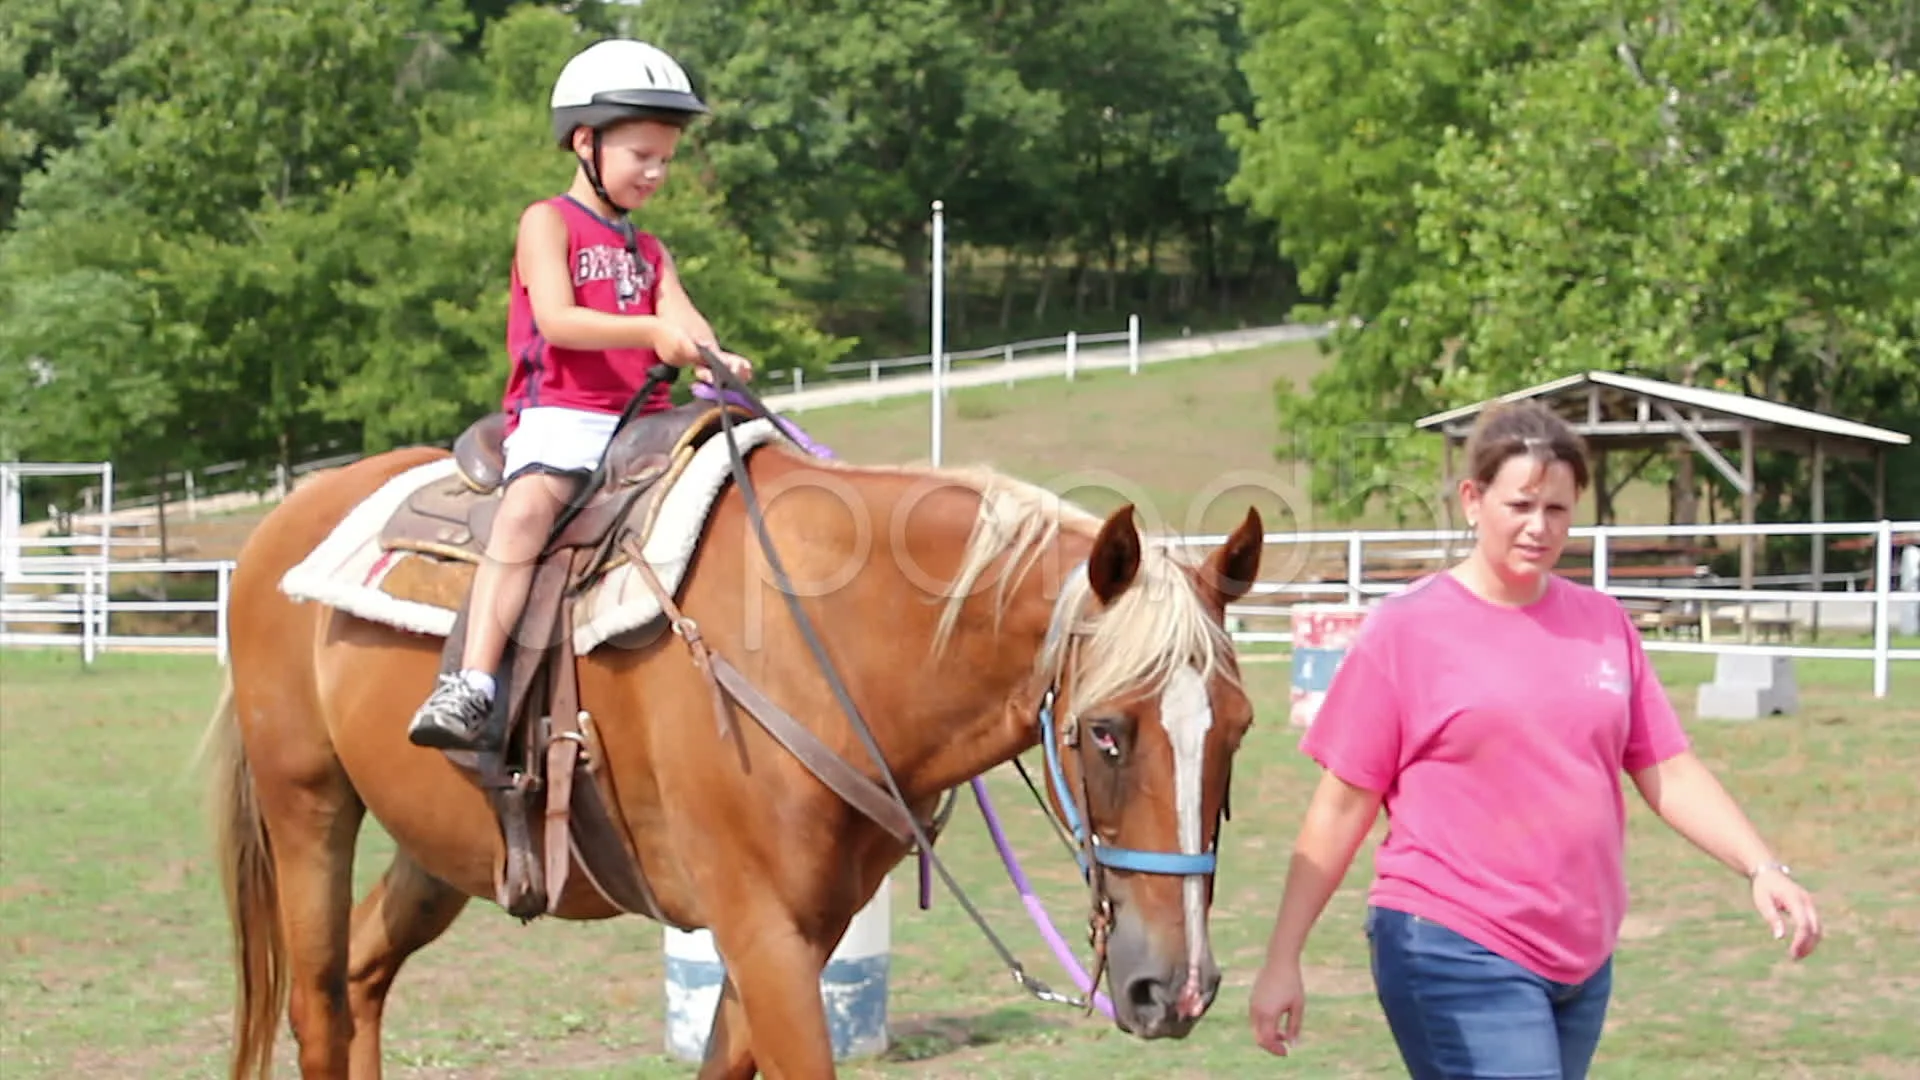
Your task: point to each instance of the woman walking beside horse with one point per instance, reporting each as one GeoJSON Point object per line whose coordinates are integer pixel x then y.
{"type": "Point", "coordinates": [1491, 710]}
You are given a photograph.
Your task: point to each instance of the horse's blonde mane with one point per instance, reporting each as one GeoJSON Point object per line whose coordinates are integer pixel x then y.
{"type": "Point", "coordinates": [1156, 628]}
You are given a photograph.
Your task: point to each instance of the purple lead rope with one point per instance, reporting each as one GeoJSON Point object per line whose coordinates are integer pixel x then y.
{"type": "Point", "coordinates": [706, 392]}
{"type": "Point", "coordinates": [1061, 950]}
{"type": "Point", "coordinates": [1035, 909]}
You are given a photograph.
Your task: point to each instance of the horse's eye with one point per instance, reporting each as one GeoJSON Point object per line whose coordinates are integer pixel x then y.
{"type": "Point", "coordinates": [1106, 738]}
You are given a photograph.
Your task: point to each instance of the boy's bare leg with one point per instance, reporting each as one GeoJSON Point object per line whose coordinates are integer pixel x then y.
{"type": "Point", "coordinates": [455, 716]}
{"type": "Point", "coordinates": [527, 512]}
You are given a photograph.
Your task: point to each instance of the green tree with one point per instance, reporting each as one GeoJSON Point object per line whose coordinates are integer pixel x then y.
{"type": "Point", "coordinates": [838, 122]}
{"type": "Point", "coordinates": [230, 111]}
{"type": "Point", "coordinates": [1709, 197]}
{"type": "Point", "coordinates": [58, 80]}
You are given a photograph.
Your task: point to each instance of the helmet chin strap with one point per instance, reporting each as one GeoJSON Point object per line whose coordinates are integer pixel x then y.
{"type": "Point", "coordinates": [620, 219]}
{"type": "Point", "coordinates": [593, 177]}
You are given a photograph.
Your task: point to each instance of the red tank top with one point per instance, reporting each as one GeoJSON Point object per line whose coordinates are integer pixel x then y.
{"type": "Point", "coordinates": [605, 278]}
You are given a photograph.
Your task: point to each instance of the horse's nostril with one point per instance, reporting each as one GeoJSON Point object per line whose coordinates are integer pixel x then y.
{"type": "Point", "coordinates": [1146, 995]}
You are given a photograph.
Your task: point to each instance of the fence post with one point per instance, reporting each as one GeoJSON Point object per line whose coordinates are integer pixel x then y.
{"type": "Point", "coordinates": [1133, 344]}
{"type": "Point", "coordinates": [1354, 570]}
{"type": "Point", "coordinates": [799, 379]}
{"type": "Point", "coordinates": [220, 616]}
{"type": "Point", "coordinates": [1009, 350]}
{"type": "Point", "coordinates": [1073, 349]}
{"type": "Point", "coordinates": [87, 646]}
{"type": "Point", "coordinates": [1882, 605]}
{"type": "Point", "coordinates": [1601, 561]}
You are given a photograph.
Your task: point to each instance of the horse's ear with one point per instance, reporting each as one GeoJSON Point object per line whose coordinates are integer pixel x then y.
{"type": "Point", "coordinates": [1231, 568]}
{"type": "Point", "coordinates": [1115, 559]}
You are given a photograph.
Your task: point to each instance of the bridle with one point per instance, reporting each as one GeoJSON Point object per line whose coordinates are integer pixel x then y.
{"type": "Point", "coordinates": [1094, 856]}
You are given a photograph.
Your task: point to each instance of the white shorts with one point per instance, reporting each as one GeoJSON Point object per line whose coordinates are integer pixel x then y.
{"type": "Point", "coordinates": [558, 439]}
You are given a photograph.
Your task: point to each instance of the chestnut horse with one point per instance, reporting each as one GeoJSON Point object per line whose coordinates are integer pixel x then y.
{"type": "Point", "coordinates": [958, 607]}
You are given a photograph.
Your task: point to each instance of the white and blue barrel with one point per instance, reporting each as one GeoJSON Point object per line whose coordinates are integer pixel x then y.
{"type": "Point", "coordinates": [853, 987]}
{"type": "Point", "coordinates": [1322, 634]}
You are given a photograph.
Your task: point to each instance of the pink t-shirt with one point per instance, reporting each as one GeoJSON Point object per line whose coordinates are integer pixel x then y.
{"type": "Point", "coordinates": [1498, 736]}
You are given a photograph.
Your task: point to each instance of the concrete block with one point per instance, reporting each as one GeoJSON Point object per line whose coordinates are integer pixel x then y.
{"type": "Point", "coordinates": [1748, 686]}
{"type": "Point", "coordinates": [1716, 702]}
{"type": "Point", "coordinates": [1906, 616]}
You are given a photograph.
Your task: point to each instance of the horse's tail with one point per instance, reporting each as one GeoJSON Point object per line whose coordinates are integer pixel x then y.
{"type": "Point", "coordinates": [252, 894]}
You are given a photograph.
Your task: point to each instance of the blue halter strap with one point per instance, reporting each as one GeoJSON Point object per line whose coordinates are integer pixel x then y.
{"type": "Point", "coordinates": [1176, 863]}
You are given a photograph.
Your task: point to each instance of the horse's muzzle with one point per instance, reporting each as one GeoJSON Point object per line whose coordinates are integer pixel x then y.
{"type": "Point", "coordinates": [1160, 1006]}
{"type": "Point", "coordinates": [1156, 994]}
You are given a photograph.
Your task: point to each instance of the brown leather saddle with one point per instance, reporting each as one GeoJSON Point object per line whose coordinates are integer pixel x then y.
{"type": "Point", "coordinates": [454, 520]}
{"type": "Point", "coordinates": [548, 762]}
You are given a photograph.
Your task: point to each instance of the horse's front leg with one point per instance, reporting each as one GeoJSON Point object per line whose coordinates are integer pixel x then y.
{"type": "Point", "coordinates": [730, 1043]}
{"type": "Point", "coordinates": [773, 973]}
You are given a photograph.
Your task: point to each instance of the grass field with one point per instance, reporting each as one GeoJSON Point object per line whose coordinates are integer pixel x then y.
{"type": "Point", "coordinates": [113, 949]}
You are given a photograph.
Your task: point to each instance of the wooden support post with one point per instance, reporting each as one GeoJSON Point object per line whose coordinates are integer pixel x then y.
{"type": "Point", "coordinates": [1602, 496]}
{"type": "Point", "coordinates": [1880, 484]}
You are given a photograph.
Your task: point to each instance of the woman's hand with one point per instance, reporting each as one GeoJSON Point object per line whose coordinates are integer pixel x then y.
{"type": "Point", "coordinates": [1775, 893]}
{"type": "Point", "coordinates": [1275, 1007]}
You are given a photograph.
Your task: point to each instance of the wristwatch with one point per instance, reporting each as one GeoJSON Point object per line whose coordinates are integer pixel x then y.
{"type": "Point", "coordinates": [1754, 874]}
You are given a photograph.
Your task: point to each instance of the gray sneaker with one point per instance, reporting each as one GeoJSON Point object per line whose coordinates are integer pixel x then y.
{"type": "Point", "coordinates": [454, 717]}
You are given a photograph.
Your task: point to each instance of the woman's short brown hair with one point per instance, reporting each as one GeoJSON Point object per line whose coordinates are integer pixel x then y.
{"type": "Point", "coordinates": [1523, 428]}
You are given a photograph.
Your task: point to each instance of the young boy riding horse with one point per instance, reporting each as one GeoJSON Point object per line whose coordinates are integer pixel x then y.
{"type": "Point", "coordinates": [595, 302]}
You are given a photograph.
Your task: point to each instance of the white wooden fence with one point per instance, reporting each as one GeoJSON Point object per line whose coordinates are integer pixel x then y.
{"type": "Point", "coordinates": [78, 603]}
{"type": "Point", "coordinates": [71, 601]}
{"type": "Point", "coordinates": [1068, 344]}
{"type": "Point", "coordinates": [1704, 592]}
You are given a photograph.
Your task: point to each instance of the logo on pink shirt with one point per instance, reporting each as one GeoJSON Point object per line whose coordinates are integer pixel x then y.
{"type": "Point", "coordinates": [1609, 678]}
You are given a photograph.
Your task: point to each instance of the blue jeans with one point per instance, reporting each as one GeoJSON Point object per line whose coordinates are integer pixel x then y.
{"type": "Point", "coordinates": [1459, 1011]}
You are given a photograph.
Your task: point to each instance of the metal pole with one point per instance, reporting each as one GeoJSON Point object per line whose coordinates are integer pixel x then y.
{"type": "Point", "coordinates": [106, 512]}
{"type": "Point", "coordinates": [939, 320]}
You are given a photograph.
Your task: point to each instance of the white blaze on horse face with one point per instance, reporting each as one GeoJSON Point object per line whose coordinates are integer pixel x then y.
{"type": "Point", "coordinates": [1187, 716]}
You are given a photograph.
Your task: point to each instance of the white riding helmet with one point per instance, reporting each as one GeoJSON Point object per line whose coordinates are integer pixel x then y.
{"type": "Point", "coordinates": [621, 79]}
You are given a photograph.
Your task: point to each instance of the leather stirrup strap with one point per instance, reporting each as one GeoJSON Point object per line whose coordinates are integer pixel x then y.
{"type": "Point", "coordinates": [563, 754]}
{"type": "Point", "coordinates": [539, 621]}
{"type": "Point", "coordinates": [862, 793]}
